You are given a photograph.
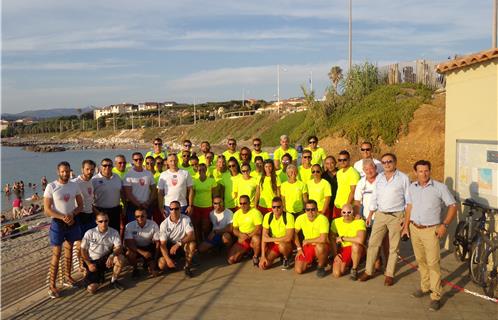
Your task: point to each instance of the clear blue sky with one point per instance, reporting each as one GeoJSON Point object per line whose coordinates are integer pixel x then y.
{"type": "Point", "coordinates": [80, 53]}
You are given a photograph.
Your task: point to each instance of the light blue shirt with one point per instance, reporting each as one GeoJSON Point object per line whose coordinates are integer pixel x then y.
{"type": "Point", "coordinates": [428, 201]}
{"type": "Point", "coordinates": [392, 195]}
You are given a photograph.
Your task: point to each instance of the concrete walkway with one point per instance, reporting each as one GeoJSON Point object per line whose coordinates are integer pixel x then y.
{"type": "Point", "coordinates": [219, 291]}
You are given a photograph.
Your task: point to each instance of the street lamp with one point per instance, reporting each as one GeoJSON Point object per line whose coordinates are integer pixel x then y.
{"type": "Point", "coordinates": [278, 85]}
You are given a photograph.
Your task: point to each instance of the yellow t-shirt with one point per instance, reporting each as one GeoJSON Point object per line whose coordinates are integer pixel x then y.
{"type": "Point", "coordinates": [318, 192]}
{"type": "Point", "coordinates": [157, 174]}
{"type": "Point", "coordinates": [279, 153]}
{"type": "Point", "coordinates": [344, 182]}
{"type": "Point", "coordinates": [217, 174]}
{"type": "Point", "coordinates": [262, 154]}
{"type": "Point", "coordinates": [293, 194]}
{"type": "Point", "coordinates": [245, 187]}
{"type": "Point", "coordinates": [317, 156]}
{"type": "Point", "coordinates": [228, 182]}
{"type": "Point", "coordinates": [203, 196]}
{"type": "Point", "coordinates": [121, 174]}
{"type": "Point", "coordinates": [266, 193]}
{"type": "Point", "coordinates": [202, 159]}
{"type": "Point", "coordinates": [304, 174]}
{"type": "Point", "coordinates": [282, 175]}
{"type": "Point", "coordinates": [348, 230]}
{"type": "Point", "coordinates": [228, 155]}
{"type": "Point", "coordinates": [277, 226]}
{"type": "Point", "coordinates": [312, 229]}
{"type": "Point", "coordinates": [256, 175]}
{"type": "Point", "coordinates": [247, 222]}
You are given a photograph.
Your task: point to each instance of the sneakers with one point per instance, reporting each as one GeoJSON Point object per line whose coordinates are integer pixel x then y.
{"type": "Point", "coordinates": [116, 285]}
{"type": "Point", "coordinates": [354, 274]}
{"type": "Point", "coordinates": [435, 305]}
{"type": "Point", "coordinates": [419, 293]}
{"type": "Point", "coordinates": [285, 264]}
{"type": "Point", "coordinates": [320, 272]}
{"type": "Point", "coordinates": [135, 274]}
{"type": "Point", "coordinates": [53, 294]}
{"type": "Point", "coordinates": [188, 272]}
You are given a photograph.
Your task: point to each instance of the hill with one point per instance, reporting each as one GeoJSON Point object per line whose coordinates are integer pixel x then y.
{"type": "Point", "coordinates": [45, 113]}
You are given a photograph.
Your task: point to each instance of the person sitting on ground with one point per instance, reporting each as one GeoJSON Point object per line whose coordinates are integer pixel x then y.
{"type": "Point", "coordinates": [221, 234]}
{"type": "Point", "coordinates": [278, 233]}
{"type": "Point", "coordinates": [101, 250]}
{"type": "Point", "coordinates": [141, 240]}
{"type": "Point", "coordinates": [315, 229]}
{"type": "Point", "coordinates": [177, 237]}
{"type": "Point", "coordinates": [247, 229]}
{"type": "Point", "coordinates": [347, 236]}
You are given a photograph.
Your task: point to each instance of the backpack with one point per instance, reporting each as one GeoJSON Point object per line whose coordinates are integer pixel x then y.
{"type": "Point", "coordinates": [270, 219]}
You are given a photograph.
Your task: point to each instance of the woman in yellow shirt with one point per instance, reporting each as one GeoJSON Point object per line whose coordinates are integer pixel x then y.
{"type": "Point", "coordinates": [319, 190]}
{"type": "Point", "coordinates": [245, 185]}
{"type": "Point", "coordinates": [268, 187]}
{"type": "Point", "coordinates": [204, 191]}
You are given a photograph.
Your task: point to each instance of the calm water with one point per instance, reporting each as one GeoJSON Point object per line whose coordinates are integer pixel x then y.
{"type": "Point", "coordinates": [20, 165]}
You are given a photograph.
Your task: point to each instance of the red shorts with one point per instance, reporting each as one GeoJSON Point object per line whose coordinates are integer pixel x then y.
{"type": "Point", "coordinates": [245, 245]}
{"type": "Point", "coordinates": [345, 253]}
{"type": "Point", "coordinates": [328, 214]}
{"type": "Point", "coordinates": [336, 213]}
{"type": "Point", "coordinates": [200, 214]}
{"type": "Point", "coordinates": [272, 246]}
{"type": "Point", "coordinates": [264, 210]}
{"type": "Point", "coordinates": [309, 253]}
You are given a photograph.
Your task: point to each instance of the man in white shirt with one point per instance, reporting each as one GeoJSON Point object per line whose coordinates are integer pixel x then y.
{"type": "Point", "coordinates": [175, 185]}
{"type": "Point", "coordinates": [221, 219]}
{"type": "Point", "coordinates": [366, 153]}
{"type": "Point", "coordinates": [138, 186]}
{"type": "Point", "coordinates": [62, 202]}
{"type": "Point", "coordinates": [142, 240]}
{"type": "Point", "coordinates": [177, 237]}
{"type": "Point", "coordinates": [101, 251]}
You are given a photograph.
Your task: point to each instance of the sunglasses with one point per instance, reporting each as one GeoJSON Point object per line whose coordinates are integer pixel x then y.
{"type": "Point", "coordinates": [106, 165]}
{"type": "Point", "coordinates": [365, 149]}
{"type": "Point", "coordinates": [231, 144]}
{"type": "Point", "coordinates": [102, 221]}
{"type": "Point", "coordinates": [256, 144]}
{"type": "Point", "coordinates": [138, 159]}
{"type": "Point", "coordinates": [232, 166]}
{"type": "Point", "coordinates": [316, 171]}
{"type": "Point", "coordinates": [140, 216]}
{"type": "Point", "coordinates": [312, 141]}
{"type": "Point", "coordinates": [276, 207]}
{"type": "Point", "coordinates": [244, 171]}
{"type": "Point", "coordinates": [158, 144]}
{"type": "Point", "coordinates": [343, 159]}
{"type": "Point", "coordinates": [310, 209]}
{"type": "Point", "coordinates": [306, 157]}
{"type": "Point", "coordinates": [387, 161]}
{"type": "Point", "coordinates": [347, 212]}
{"type": "Point", "coordinates": [174, 209]}
{"type": "Point", "coordinates": [187, 145]}
{"type": "Point", "coordinates": [216, 203]}
{"type": "Point", "coordinates": [243, 203]}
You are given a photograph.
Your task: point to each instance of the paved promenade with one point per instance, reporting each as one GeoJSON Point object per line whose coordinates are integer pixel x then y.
{"type": "Point", "coordinates": [219, 291]}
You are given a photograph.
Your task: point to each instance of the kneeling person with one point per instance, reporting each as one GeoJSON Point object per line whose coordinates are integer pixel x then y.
{"type": "Point", "coordinates": [315, 229]}
{"type": "Point", "coordinates": [101, 251]}
{"type": "Point", "coordinates": [350, 234]}
{"type": "Point", "coordinates": [221, 219]}
{"type": "Point", "coordinates": [142, 240]}
{"type": "Point", "coordinates": [176, 234]}
{"type": "Point", "coordinates": [278, 232]}
{"type": "Point", "coordinates": [247, 228]}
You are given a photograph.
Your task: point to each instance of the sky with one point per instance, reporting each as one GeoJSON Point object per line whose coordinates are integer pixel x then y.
{"type": "Point", "coordinates": [75, 54]}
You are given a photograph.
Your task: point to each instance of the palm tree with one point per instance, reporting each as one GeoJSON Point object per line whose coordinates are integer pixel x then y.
{"type": "Point", "coordinates": [335, 76]}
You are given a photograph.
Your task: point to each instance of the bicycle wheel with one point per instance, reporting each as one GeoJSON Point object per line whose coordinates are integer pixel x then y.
{"type": "Point", "coordinates": [461, 241]}
{"type": "Point", "coordinates": [476, 257]}
{"type": "Point", "coordinates": [489, 272]}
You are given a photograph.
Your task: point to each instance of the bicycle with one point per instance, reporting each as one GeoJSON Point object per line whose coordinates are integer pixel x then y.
{"type": "Point", "coordinates": [466, 231]}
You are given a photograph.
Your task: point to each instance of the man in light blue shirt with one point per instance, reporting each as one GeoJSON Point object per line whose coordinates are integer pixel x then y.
{"type": "Point", "coordinates": [425, 226]}
{"type": "Point", "coordinates": [388, 201]}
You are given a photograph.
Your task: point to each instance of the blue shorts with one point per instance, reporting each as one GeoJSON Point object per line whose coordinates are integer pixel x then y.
{"type": "Point", "coordinates": [216, 241]}
{"type": "Point", "coordinates": [59, 232]}
{"type": "Point", "coordinates": [86, 222]}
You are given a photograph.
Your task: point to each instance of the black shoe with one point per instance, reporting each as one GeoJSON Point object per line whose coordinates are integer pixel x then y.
{"type": "Point", "coordinates": [195, 261]}
{"type": "Point", "coordinates": [419, 293]}
{"type": "Point", "coordinates": [285, 264]}
{"type": "Point", "coordinates": [116, 285]}
{"type": "Point", "coordinates": [354, 274]}
{"type": "Point", "coordinates": [188, 272]}
{"type": "Point", "coordinates": [320, 272]}
{"type": "Point", "coordinates": [135, 274]}
{"type": "Point", "coordinates": [435, 305]}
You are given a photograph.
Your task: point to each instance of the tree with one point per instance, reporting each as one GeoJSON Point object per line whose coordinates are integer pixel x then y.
{"type": "Point", "coordinates": [335, 76]}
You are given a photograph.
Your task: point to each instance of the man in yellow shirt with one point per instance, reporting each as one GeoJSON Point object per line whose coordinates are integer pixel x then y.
{"type": "Point", "coordinates": [283, 149]}
{"type": "Point", "coordinates": [247, 229]}
{"type": "Point", "coordinates": [347, 179]}
{"type": "Point", "coordinates": [256, 151]}
{"type": "Point", "coordinates": [318, 154]}
{"type": "Point", "coordinates": [232, 150]}
{"type": "Point", "coordinates": [157, 150]}
{"type": "Point", "coordinates": [294, 192]}
{"type": "Point", "coordinates": [120, 168]}
{"type": "Point", "coordinates": [205, 150]}
{"type": "Point", "coordinates": [278, 232]}
{"type": "Point", "coordinates": [347, 237]}
{"type": "Point", "coordinates": [315, 228]}
{"type": "Point", "coordinates": [305, 167]}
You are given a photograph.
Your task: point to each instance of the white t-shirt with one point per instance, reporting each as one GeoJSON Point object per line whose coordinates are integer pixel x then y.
{"type": "Point", "coordinates": [174, 232]}
{"type": "Point", "coordinates": [358, 165]}
{"type": "Point", "coordinates": [100, 244]}
{"type": "Point", "coordinates": [63, 196]}
{"type": "Point", "coordinates": [87, 191]}
{"type": "Point", "coordinates": [174, 185]}
{"type": "Point", "coordinates": [221, 220]}
{"type": "Point", "coordinates": [363, 193]}
{"type": "Point", "coordinates": [107, 190]}
{"type": "Point", "coordinates": [142, 236]}
{"type": "Point", "coordinates": [140, 182]}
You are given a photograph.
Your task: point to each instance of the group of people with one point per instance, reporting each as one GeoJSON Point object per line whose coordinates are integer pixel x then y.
{"type": "Point", "coordinates": [324, 211]}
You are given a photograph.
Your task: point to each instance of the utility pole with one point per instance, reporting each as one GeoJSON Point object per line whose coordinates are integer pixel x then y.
{"type": "Point", "coordinates": [114, 121]}
{"type": "Point", "coordinates": [350, 34]}
{"type": "Point", "coordinates": [278, 87]}
{"type": "Point", "coordinates": [194, 113]}
{"type": "Point", "coordinates": [159, 115]}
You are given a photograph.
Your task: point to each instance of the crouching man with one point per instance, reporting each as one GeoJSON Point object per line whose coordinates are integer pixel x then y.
{"type": "Point", "coordinates": [101, 250]}
{"type": "Point", "coordinates": [278, 233]}
{"type": "Point", "coordinates": [176, 234]}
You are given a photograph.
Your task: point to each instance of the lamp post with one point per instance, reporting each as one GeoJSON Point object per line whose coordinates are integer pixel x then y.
{"type": "Point", "coordinates": [278, 86]}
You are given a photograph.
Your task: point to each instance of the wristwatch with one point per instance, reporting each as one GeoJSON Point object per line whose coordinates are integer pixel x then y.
{"type": "Point", "coordinates": [446, 225]}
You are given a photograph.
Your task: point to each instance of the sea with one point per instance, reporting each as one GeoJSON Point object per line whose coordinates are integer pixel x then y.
{"type": "Point", "coordinates": [30, 167]}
